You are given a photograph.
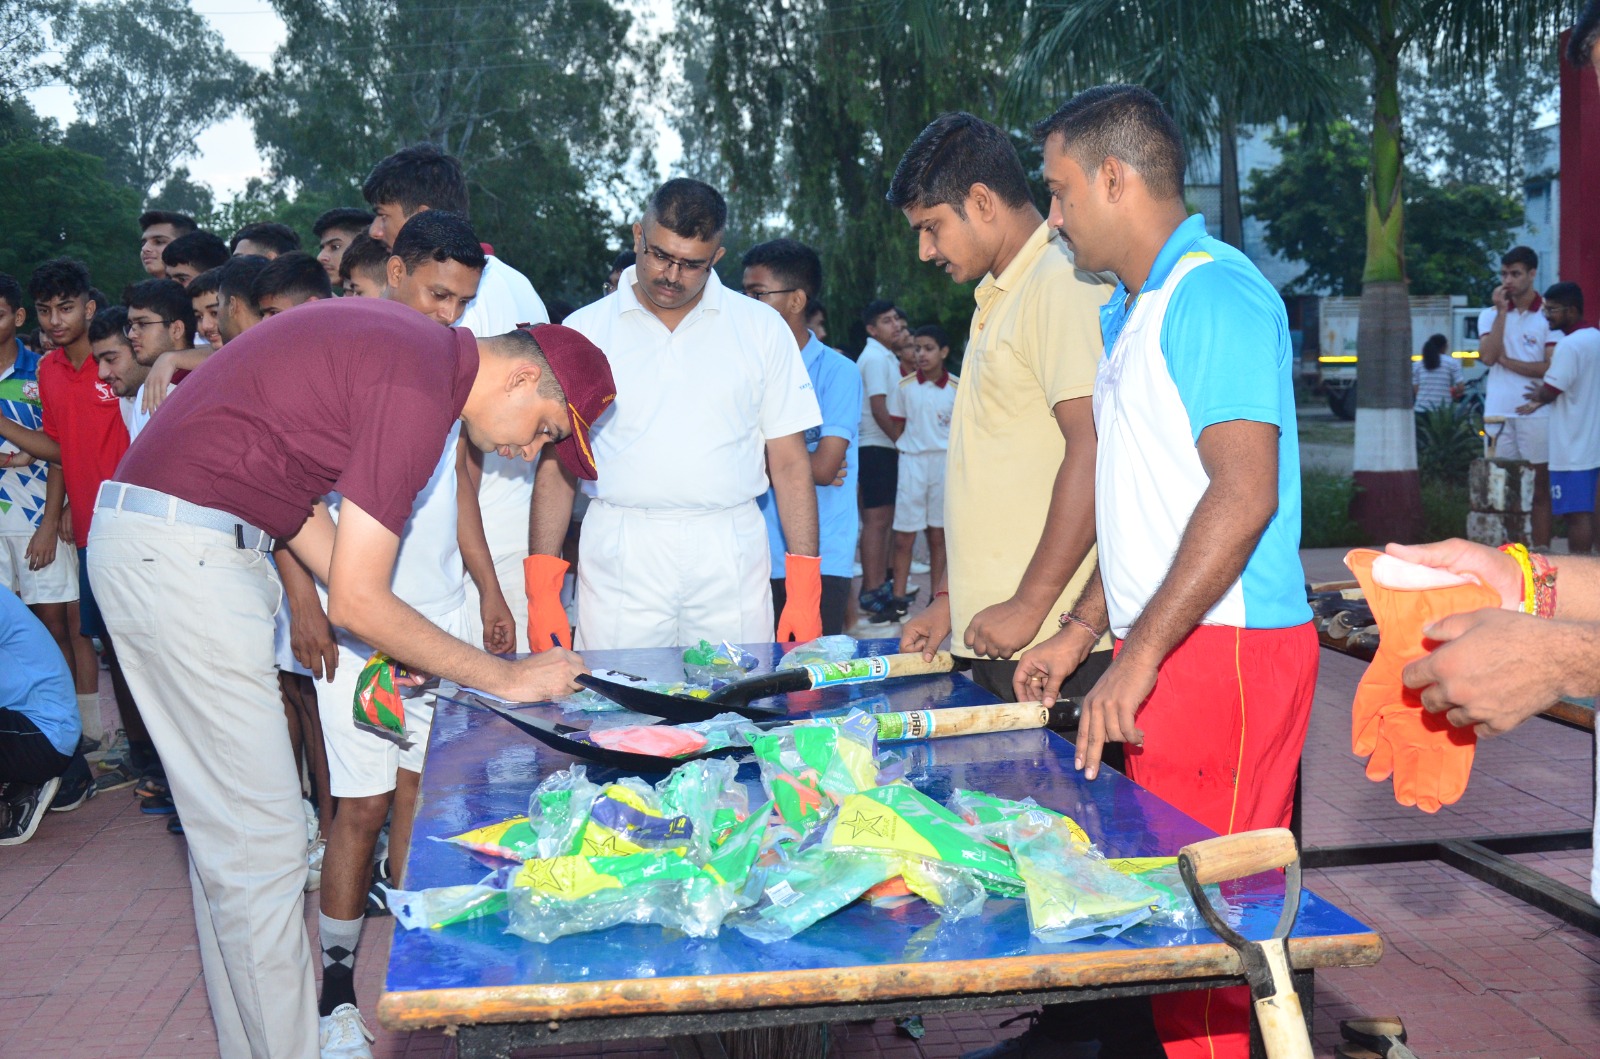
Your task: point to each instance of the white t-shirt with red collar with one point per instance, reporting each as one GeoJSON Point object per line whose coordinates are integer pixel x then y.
{"type": "Point", "coordinates": [1527, 333]}
{"type": "Point", "coordinates": [926, 408]}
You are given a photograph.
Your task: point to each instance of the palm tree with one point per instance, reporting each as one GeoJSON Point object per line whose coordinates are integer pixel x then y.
{"type": "Point", "coordinates": [1462, 38]}
{"type": "Point", "coordinates": [1215, 64]}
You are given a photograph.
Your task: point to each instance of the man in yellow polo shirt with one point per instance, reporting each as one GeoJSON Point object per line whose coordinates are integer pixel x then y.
{"type": "Point", "coordinates": [1019, 489]}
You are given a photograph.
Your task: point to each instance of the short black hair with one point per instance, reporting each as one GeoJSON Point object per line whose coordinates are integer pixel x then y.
{"type": "Point", "coordinates": [1125, 122]}
{"type": "Point", "coordinates": [364, 254]}
{"type": "Point", "coordinates": [345, 218]}
{"type": "Point", "coordinates": [202, 249]}
{"type": "Point", "coordinates": [954, 152]}
{"type": "Point", "coordinates": [295, 275]}
{"type": "Point", "coordinates": [939, 335]}
{"type": "Point", "coordinates": [110, 322]}
{"type": "Point", "coordinates": [270, 235]}
{"type": "Point", "coordinates": [181, 222]}
{"type": "Point", "coordinates": [876, 308]}
{"type": "Point", "coordinates": [815, 307]}
{"type": "Point", "coordinates": [167, 298]}
{"type": "Point", "coordinates": [1521, 255]}
{"type": "Point", "coordinates": [438, 235]}
{"type": "Point", "coordinates": [205, 283]}
{"type": "Point", "coordinates": [418, 176]}
{"type": "Point", "coordinates": [1565, 293]}
{"type": "Point", "coordinates": [1585, 34]}
{"type": "Point", "coordinates": [10, 291]}
{"type": "Point", "coordinates": [61, 277]}
{"type": "Point", "coordinates": [238, 275]}
{"type": "Point", "coordinates": [628, 257]}
{"type": "Point", "coordinates": [794, 264]}
{"type": "Point", "coordinates": [690, 208]}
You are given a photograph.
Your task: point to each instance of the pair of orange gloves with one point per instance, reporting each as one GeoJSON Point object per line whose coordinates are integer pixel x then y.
{"type": "Point", "coordinates": [547, 618]}
{"type": "Point", "coordinates": [1429, 758]}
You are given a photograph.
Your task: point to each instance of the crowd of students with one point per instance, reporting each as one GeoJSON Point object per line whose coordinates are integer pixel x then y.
{"type": "Point", "coordinates": [274, 465]}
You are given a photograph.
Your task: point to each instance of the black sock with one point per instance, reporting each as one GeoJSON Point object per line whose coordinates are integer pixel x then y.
{"type": "Point", "coordinates": [338, 987]}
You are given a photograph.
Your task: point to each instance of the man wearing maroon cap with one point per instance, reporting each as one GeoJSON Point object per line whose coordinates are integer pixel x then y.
{"type": "Point", "coordinates": [354, 397]}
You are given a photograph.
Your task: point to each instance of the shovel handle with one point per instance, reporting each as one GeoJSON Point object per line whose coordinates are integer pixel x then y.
{"type": "Point", "coordinates": [1282, 1020]}
{"type": "Point", "coordinates": [1236, 856]}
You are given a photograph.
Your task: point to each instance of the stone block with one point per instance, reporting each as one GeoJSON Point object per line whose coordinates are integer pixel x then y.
{"type": "Point", "coordinates": [1500, 486]}
{"type": "Point", "coordinates": [1496, 528]}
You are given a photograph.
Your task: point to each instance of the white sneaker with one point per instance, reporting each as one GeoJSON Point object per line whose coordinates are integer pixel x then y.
{"type": "Point", "coordinates": [920, 567]}
{"type": "Point", "coordinates": [344, 1034]}
{"type": "Point", "coordinates": [314, 865]}
{"type": "Point", "coordinates": [313, 824]}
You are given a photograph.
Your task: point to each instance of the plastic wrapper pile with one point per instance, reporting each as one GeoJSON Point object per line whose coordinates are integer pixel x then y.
{"type": "Point", "coordinates": [691, 854]}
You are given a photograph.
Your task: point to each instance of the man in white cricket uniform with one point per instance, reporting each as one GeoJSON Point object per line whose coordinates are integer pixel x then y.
{"type": "Point", "coordinates": [1514, 341]}
{"type": "Point", "coordinates": [710, 388]}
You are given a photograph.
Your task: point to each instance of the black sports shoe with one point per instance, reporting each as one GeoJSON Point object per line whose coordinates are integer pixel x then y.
{"type": "Point", "coordinates": [873, 598]}
{"type": "Point", "coordinates": [77, 786]}
{"type": "Point", "coordinates": [27, 807]}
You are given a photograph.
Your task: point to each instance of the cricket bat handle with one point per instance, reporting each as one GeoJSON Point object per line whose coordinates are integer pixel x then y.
{"type": "Point", "coordinates": [914, 665]}
{"type": "Point", "coordinates": [1282, 1021]}
{"type": "Point", "coordinates": [963, 720]}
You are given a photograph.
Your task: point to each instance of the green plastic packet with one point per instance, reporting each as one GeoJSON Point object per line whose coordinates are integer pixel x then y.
{"type": "Point", "coordinates": [808, 769]}
{"type": "Point", "coordinates": [513, 839]}
{"type": "Point", "coordinates": [990, 816]}
{"type": "Point", "coordinates": [708, 793]}
{"type": "Point", "coordinates": [809, 887]}
{"type": "Point", "coordinates": [559, 896]}
{"type": "Point", "coordinates": [900, 821]}
{"type": "Point", "coordinates": [443, 906]}
{"type": "Point", "coordinates": [1073, 892]}
{"type": "Point", "coordinates": [1177, 907]}
{"type": "Point", "coordinates": [558, 811]}
{"type": "Point", "coordinates": [626, 818]}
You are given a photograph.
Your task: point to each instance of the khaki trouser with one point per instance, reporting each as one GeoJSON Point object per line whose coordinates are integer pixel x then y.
{"type": "Point", "coordinates": [192, 617]}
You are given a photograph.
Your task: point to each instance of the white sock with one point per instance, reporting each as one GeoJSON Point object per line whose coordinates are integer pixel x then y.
{"type": "Point", "coordinates": [89, 714]}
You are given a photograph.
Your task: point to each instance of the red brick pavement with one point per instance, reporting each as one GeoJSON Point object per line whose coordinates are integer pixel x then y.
{"type": "Point", "coordinates": [98, 951]}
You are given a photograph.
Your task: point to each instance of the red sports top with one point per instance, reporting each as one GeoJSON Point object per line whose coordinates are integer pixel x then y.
{"type": "Point", "coordinates": [84, 416]}
{"type": "Point", "coordinates": [347, 395]}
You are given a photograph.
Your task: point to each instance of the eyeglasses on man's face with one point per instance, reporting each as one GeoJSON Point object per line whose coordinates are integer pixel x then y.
{"type": "Point", "coordinates": [660, 261]}
{"type": "Point", "coordinates": [134, 326]}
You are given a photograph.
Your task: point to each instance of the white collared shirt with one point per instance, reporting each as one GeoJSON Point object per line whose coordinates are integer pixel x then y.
{"type": "Point", "coordinates": [696, 405]}
{"type": "Point", "coordinates": [505, 299]}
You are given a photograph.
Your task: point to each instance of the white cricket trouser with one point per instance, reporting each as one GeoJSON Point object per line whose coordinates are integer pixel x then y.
{"type": "Point", "coordinates": [508, 571]}
{"type": "Point", "coordinates": [664, 578]}
{"type": "Point", "coordinates": [192, 617]}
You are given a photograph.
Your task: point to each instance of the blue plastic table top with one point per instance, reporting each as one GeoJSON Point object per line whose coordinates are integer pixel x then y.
{"type": "Point", "coordinates": [480, 770]}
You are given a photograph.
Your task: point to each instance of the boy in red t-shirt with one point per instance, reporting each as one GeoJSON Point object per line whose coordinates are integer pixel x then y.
{"type": "Point", "coordinates": [82, 417]}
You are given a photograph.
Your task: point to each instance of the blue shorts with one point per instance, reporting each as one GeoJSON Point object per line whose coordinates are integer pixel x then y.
{"type": "Point", "coordinates": [90, 624]}
{"type": "Point", "coordinates": [1572, 492]}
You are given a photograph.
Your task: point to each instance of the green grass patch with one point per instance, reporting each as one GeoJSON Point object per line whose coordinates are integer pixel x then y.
{"type": "Point", "coordinates": [1325, 511]}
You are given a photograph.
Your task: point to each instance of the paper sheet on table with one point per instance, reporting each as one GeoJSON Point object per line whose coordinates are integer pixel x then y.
{"type": "Point", "coordinates": [603, 674]}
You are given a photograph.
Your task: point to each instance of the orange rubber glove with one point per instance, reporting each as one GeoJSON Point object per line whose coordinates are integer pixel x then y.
{"type": "Point", "coordinates": [1428, 757]}
{"type": "Point", "coordinates": [802, 609]}
{"type": "Point", "coordinates": [542, 576]}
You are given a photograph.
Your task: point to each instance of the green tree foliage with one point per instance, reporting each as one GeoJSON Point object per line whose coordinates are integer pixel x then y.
{"type": "Point", "coordinates": [181, 192]}
{"type": "Point", "coordinates": [1259, 68]}
{"type": "Point", "coordinates": [799, 113]}
{"type": "Point", "coordinates": [21, 22]}
{"type": "Point", "coordinates": [1478, 130]}
{"type": "Point", "coordinates": [58, 202]}
{"type": "Point", "coordinates": [1311, 203]}
{"type": "Point", "coordinates": [148, 76]}
{"type": "Point", "coordinates": [537, 100]}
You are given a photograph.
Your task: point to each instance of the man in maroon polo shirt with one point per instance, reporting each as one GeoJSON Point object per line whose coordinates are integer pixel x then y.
{"type": "Point", "coordinates": [351, 396]}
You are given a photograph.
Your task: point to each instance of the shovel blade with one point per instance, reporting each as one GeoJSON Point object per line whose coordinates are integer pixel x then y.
{"type": "Point", "coordinates": [679, 708]}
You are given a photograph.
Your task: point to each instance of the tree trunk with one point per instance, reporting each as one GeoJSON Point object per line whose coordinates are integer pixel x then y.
{"type": "Point", "coordinates": [1388, 498]}
{"type": "Point", "coordinates": [1232, 206]}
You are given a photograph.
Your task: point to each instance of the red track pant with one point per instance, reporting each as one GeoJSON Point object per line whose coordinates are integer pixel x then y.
{"type": "Point", "coordinates": [1223, 731]}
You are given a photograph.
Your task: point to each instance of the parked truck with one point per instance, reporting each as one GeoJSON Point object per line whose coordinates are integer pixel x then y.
{"type": "Point", "coordinates": [1430, 314]}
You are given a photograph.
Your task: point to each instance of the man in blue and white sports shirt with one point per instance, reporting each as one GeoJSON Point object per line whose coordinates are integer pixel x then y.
{"type": "Point", "coordinates": [32, 564]}
{"type": "Point", "coordinates": [1197, 506]}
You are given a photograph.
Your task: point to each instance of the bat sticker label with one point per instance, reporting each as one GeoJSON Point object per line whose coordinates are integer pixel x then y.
{"type": "Point", "coordinates": [854, 671]}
